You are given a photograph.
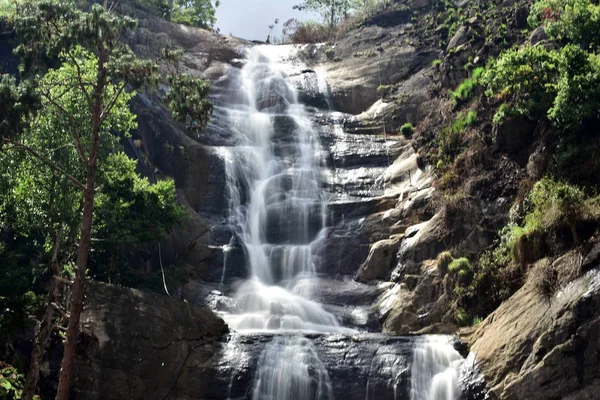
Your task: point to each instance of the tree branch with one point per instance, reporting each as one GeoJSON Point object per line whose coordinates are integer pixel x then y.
{"type": "Point", "coordinates": [79, 79]}
{"type": "Point", "coordinates": [74, 129]}
{"type": "Point", "coordinates": [106, 112]}
{"type": "Point", "coordinates": [49, 163]}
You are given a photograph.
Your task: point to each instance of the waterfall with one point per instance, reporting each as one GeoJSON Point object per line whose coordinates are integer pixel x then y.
{"type": "Point", "coordinates": [276, 201]}
{"type": "Point", "coordinates": [435, 370]}
{"type": "Point", "coordinates": [277, 208]}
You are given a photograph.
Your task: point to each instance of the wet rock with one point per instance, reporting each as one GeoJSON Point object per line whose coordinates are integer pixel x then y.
{"type": "Point", "coordinates": [354, 365]}
{"type": "Point", "coordinates": [380, 261]}
{"type": "Point", "coordinates": [137, 341]}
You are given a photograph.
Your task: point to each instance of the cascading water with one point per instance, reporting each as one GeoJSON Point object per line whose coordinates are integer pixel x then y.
{"type": "Point", "coordinates": [276, 201]}
{"type": "Point", "coordinates": [278, 211]}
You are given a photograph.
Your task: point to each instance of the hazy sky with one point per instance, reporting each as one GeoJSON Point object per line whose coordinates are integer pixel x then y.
{"type": "Point", "coordinates": [250, 19]}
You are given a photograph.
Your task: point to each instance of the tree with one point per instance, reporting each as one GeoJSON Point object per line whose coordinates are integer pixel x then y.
{"type": "Point", "coordinates": [332, 11]}
{"type": "Point", "coordinates": [571, 21]}
{"type": "Point", "coordinates": [58, 31]}
{"type": "Point", "coordinates": [200, 13]}
{"type": "Point", "coordinates": [131, 211]}
{"type": "Point", "coordinates": [44, 202]}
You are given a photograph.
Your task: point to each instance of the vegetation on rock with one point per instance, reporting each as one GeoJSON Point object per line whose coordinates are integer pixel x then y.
{"type": "Point", "coordinates": [68, 195]}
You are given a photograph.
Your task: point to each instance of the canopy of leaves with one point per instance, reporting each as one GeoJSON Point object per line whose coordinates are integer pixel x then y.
{"type": "Point", "coordinates": [187, 99]}
{"type": "Point", "coordinates": [525, 79]}
{"type": "Point", "coordinates": [130, 210]}
{"type": "Point", "coordinates": [17, 102]}
{"type": "Point", "coordinates": [332, 11]}
{"type": "Point", "coordinates": [200, 13]}
{"type": "Point", "coordinates": [571, 21]}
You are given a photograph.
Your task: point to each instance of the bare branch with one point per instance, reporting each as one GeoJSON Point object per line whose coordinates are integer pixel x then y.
{"type": "Point", "coordinates": [46, 161]}
{"type": "Point", "coordinates": [63, 280]}
{"type": "Point", "coordinates": [106, 112]}
{"type": "Point", "coordinates": [79, 79]}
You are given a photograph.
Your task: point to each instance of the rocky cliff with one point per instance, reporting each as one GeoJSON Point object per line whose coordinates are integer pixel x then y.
{"type": "Point", "coordinates": [144, 346]}
{"type": "Point", "coordinates": [393, 212]}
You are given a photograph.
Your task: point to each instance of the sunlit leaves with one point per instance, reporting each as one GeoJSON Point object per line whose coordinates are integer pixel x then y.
{"type": "Point", "coordinates": [188, 100]}
{"type": "Point", "coordinates": [572, 21]}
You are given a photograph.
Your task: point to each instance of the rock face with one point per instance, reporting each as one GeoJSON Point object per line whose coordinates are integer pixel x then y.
{"type": "Point", "coordinates": [539, 347]}
{"type": "Point", "coordinates": [134, 345]}
{"type": "Point", "coordinates": [418, 304]}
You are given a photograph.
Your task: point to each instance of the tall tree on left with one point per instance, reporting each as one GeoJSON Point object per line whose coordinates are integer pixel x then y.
{"type": "Point", "coordinates": [100, 69]}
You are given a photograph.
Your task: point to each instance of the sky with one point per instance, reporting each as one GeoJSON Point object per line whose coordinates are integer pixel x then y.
{"type": "Point", "coordinates": [250, 19]}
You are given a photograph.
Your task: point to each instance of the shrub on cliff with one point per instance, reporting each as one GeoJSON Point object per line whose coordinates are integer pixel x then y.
{"type": "Point", "coordinates": [525, 80]}
{"type": "Point", "coordinates": [570, 21]}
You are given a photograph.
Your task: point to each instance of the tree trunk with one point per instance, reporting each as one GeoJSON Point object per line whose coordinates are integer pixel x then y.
{"type": "Point", "coordinates": [332, 21]}
{"type": "Point", "coordinates": [43, 329]}
{"type": "Point", "coordinates": [85, 236]}
{"type": "Point", "coordinates": [76, 307]}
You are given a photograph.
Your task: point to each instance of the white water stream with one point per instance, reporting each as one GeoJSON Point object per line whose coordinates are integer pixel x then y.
{"type": "Point", "coordinates": [278, 207]}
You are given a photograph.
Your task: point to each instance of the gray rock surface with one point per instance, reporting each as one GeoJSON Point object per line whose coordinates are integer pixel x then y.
{"type": "Point", "coordinates": [539, 347]}
{"type": "Point", "coordinates": [133, 345]}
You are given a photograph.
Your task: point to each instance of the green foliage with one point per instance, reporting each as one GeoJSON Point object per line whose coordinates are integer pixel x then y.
{"type": "Point", "coordinates": [19, 283]}
{"type": "Point", "coordinates": [130, 211]}
{"type": "Point", "coordinates": [332, 11]}
{"type": "Point", "coordinates": [330, 53]}
{"type": "Point", "coordinates": [577, 100]}
{"type": "Point", "coordinates": [188, 100]}
{"type": "Point", "coordinates": [550, 206]}
{"type": "Point", "coordinates": [11, 383]}
{"type": "Point", "coordinates": [200, 13]}
{"type": "Point", "coordinates": [295, 31]}
{"type": "Point", "coordinates": [467, 88]}
{"type": "Point", "coordinates": [462, 317]}
{"type": "Point", "coordinates": [17, 103]}
{"type": "Point", "coordinates": [383, 90]}
{"type": "Point", "coordinates": [407, 130]}
{"type": "Point", "coordinates": [436, 63]}
{"type": "Point", "coordinates": [449, 141]}
{"type": "Point", "coordinates": [554, 204]}
{"type": "Point", "coordinates": [525, 80]}
{"type": "Point", "coordinates": [460, 266]}
{"type": "Point", "coordinates": [570, 21]}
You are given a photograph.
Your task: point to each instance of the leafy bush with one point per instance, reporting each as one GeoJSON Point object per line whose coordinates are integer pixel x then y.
{"type": "Point", "coordinates": [499, 271]}
{"type": "Point", "coordinates": [571, 21]}
{"type": "Point", "coordinates": [449, 140]}
{"type": "Point", "coordinates": [525, 80]}
{"type": "Point", "coordinates": [577, 98]}
{"type": "Point", "coordinates": [407, 130]}
{"type": "Point", "coordinates": [460, 266]}
{"type": "Point", "coordinates": [467, 88]}
{"type": "Point", "coordinates": [330, 53]}
{"type": "Point", "coordinates": [383, 90]}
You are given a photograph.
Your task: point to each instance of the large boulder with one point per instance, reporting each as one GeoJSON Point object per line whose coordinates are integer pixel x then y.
{"type": "Point", "coordinates": [380, 261]}
{"type": "Point", "coordinates": [418, 304]}
{"type": "Point", "coordinates": [536, 346]}
{"type": "Point", "coordinates": [133, 345]}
